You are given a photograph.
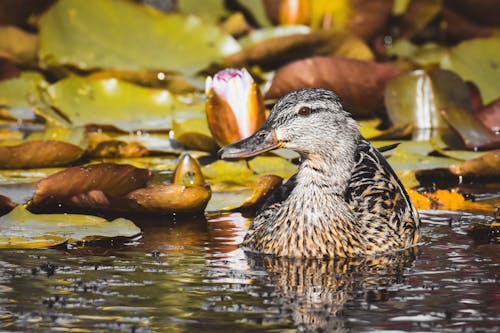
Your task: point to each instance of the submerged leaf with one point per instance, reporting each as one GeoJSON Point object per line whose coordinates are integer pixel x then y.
{"type": "Point", "coordinates": [22, 229]}
{"type": "Point", "coordinates": [361, 93]}
{"type": "Point", "coordinates": [97, 34]}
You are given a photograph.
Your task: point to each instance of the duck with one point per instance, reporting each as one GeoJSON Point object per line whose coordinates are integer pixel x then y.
{"type": "Point", "coordinates": [345, 199]}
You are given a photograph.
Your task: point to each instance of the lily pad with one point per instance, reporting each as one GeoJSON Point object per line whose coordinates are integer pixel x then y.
{"type": "Point", "coordinates": [115, 103]}
{"type": "Point", "coordinates": [477, 61]}
{"type": "Point", "coordinates": [419, 96]}
{"type": "Point", "coordinates": [486, 165]}
{"type": "Point", "coordinates": [97, 34]}
{"type": "Point", "coordinates": [170, 198]}
{"type": "Point", "coordinates": [16, 92]}
{"type": "Point", "coordinates": [110, 179]}
{"type": "Point", "coordinates": [22, 229]}
{"type": "Point", "coordinates": [361, 94]}
{"type": "Point", "coordinates": [55, 146]}
{"type": "Point", "coordinates": [274, 52]}
{"type": "Point", "coordinates": [18, 45]}
{"type": "Point", "coordinates": [192, 131]}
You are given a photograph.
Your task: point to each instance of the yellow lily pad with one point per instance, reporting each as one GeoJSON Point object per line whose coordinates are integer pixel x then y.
{"type": "Point", "coordinates": [115, 103]}
{"type": "Point", "coordinates": [97, 34]}
{"type": "Point", "coordinates": [22, 229]}
{"type": "Point", "coordinates": [15, 93]}
{"type": "Point", "coordinates": [476, 60]}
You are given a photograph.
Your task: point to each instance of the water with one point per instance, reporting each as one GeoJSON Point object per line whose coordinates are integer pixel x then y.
{"type": "Point", "coordinates": [190, 276]}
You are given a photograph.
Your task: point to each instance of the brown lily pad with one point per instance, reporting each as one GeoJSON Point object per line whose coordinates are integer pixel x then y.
{"type": "Point", "coordinates": [489, 115]}
{"type": "Point", "coordinates": [360, 84]}
{"type": "Point", "coordinates": [486, 165]}
{"type": "Point", "coordinates": [110, 179]}
{"type": "Point", "coordinates": [274, 52]}
{"type": "Point", "coordinates": [473, 133]}
{"type": "Point", "coordinates": [170, 198]}
{"type": "Point", "coordinates": [18, 45]}
{"type": "Point", "coordinates": [38, 154]}
{"type": "Point", "coordinates": [369, 17]}
{"type": "Point", "coordinates": [6, 204]}
{"type": "Point", "coordinates": [264, 187]}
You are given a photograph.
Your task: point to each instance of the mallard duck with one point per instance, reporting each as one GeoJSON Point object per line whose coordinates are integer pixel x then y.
{"type": "Point", "coordinates": [344, 201]}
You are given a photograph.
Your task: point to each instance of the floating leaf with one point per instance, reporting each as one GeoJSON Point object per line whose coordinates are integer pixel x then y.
{"type": "Point", "coordinates": [6, 204]}
{"type": "Point", "coordinates": [18, 45]}
{"type": "Point", "coordinates": [116, 103]}
{"type": "Point", "coordinates": [419, 96]}
{"type": "Point", "coordinates": [272, 165]}
{"type": "Point", "coordinates": [15, 92]}
{"type": "Point", "coordinates": [361, 94]}
{"type": "Point", "coordinates": [22, 229]}
{"type": "Point", "coordinates": [170, 198]}
{"type": "Point", "coordinates": [259, 35]}
{"type": "Point", "coordinates": [446, 200]}
{"type": "Point", "coordinates": [54, 147]}
{"type": "Point", "coordinates": [477, 60]}
{"type": "Point", "coordinates": [486, 165]}
{"type": "Point", "coordinates": [489, 115]}
{"type": "Point", "coordinates": [97, 34]}
{"type": "Point", "coordinates": [473, 132]}
{"type": "Point", "coordinates": [264, 187]}
{"type": "Point", "coordinates": [111, 179]}
{"type": "Point", "coordinates": [236, 172]}
{"type": "Point", "coordinates": [274, 52]}
{"type": "Point", "coordinates": [191, 130]}
{"type": "Point", "coordinates": [418, 14]}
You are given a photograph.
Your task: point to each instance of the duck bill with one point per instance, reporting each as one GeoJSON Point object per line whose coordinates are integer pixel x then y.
{"type": "Point", "coordinates": [261, 141]}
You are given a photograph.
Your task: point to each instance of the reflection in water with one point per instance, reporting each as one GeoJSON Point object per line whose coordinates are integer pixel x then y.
{"type": "Point", "coordinates": [188, 275]}
{"type": "Point", "coordinates": [313, 292]}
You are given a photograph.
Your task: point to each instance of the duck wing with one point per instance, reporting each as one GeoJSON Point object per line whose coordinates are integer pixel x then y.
{"type": "Point", "coordinates": [378, 199]}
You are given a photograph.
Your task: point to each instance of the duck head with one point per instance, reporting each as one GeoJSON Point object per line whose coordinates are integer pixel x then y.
{"type": "Point", "coordinates": [310, 121]}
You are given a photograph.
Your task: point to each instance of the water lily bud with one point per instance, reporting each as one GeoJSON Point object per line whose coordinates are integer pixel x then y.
{"type": "Point", "coordinates": [294, 12]}
{"type": "Point", "coordinates": [188, 172]}
{"type": "Point", "coordinates": [235, 108]}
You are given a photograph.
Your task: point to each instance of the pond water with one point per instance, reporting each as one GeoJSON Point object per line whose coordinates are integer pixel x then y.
{"type": "Point", "coordinates": [188, 275]}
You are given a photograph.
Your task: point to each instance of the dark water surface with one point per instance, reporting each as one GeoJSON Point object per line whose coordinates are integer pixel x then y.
{"type": "Point", "coordinates": [190, 276]}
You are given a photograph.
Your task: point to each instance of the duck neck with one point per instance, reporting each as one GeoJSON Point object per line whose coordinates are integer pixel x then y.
{"type": "Point", "coordinates": [328, 170]}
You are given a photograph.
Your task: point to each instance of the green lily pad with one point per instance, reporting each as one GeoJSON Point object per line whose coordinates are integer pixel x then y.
{"type": "Point", "coordinates": [16, 92]}
{"type": "Point", "coordinates": [115, 103]}
{"type": "Point", "coordinates": [22, 229]}
{"type": "Point", "coordinates": [419, 96]}
{"type": "Point", "coordinates": [477, 60]}
{"type": "Point", "coordinates": [272, 165]}
{"type": "Point", "coordinates": [97, 34]}
{"type": "Point", "coordinates": [56, 146]}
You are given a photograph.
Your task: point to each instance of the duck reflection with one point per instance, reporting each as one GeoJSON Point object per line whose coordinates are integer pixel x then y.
{"type": "Point", "coordinates": [313, 291]}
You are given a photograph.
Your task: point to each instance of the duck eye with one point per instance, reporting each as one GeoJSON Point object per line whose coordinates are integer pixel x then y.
{"type": "Point", "coordinates": [305, 111]}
